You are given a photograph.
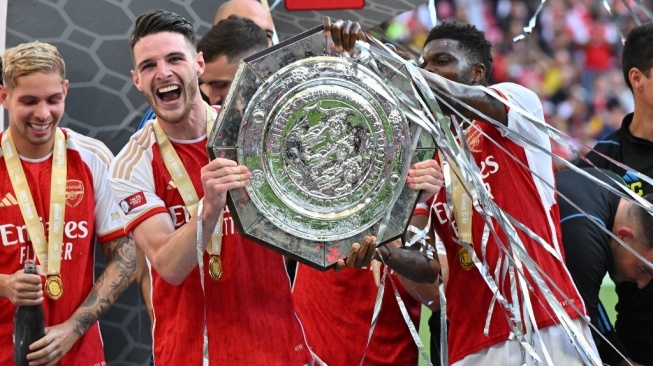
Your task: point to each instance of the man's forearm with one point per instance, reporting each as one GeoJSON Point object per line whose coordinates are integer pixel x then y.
{"type": "Point", "coordinates": [119, 273]}
{"type": "Point", "coordinates": [412, 264]}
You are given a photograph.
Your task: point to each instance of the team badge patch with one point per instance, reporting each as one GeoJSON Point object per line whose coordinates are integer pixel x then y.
{"type": "Point", "coordinates": [74, 192]}
{"type": "Point", "coordinates": [474, 139]}
{"type": "Point", "coordinates": [133, 201]}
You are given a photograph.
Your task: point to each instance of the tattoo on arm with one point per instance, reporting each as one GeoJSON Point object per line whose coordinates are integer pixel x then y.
{"type": "Point", "coordinates": [119, 273]}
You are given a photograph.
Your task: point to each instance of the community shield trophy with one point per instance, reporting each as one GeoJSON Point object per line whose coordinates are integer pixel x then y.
{"type": "Point", "coordinates": [328, 140]}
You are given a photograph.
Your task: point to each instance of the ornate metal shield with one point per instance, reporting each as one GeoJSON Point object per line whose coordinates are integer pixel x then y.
{"type": "Point", "coordinates": [328, 142]}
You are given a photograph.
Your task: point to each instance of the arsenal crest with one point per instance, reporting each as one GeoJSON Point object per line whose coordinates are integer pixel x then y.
{"type": "Point", "coordinates": [74, 192]}
{"type": "Point", "coordinates": [474, 138]}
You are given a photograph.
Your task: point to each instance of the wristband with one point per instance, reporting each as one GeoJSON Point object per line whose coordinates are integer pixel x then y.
{"type": "Point", "coordinates": [421, 209]}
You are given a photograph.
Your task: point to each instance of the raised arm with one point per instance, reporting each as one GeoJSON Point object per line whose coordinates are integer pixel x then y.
{"type": "Point", "coordinates": [457, 94]}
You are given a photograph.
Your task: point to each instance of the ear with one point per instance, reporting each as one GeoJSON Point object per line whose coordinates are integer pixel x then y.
{"type": "Point", "coordinates": [65, 85]}
{"type": "Point", "coordinates": [625, 233]}
{"type": "Point", "coordinates": [478, 75]}
{"type": "Point", "coordinates": [136, 79]}
{"type": "Point", "coordinates": [4, 95]}
{"type": "Point", "coordinates": [200, 63]}
{"type": "Point", "coordinates": [635, 76]}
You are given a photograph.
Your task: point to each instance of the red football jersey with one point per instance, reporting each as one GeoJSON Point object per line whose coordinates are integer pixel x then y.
{"type": "Point", "coordinates": [525, 197]}
{"type": "Point", "coordinates": [336, 311]}
{"type": "Point", "coordinates": [250, 318]}
{"type": "Point", "coordinates": [90, 212]}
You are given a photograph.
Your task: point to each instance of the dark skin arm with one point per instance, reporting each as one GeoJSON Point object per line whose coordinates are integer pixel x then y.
{"type": "Point", "coordinates": [436, 62]}
{"type": "Point", "coordinates": [409, 261]}
{"type": "Point", "coordinates": [427, 177]}
{"type": "Point", "coordinates": [454, 93]}
{"type": "Point", "coordinates": [343, 32]}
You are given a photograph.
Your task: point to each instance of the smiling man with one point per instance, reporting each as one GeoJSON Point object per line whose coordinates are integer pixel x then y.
{"type": "Point", "coordinates": [54, 185]}
{"type": "Point", "coordinates": [236, 308]}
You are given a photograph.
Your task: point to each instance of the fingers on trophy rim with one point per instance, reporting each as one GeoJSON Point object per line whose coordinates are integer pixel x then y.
{"type": "Point", "coordinates": [326, 25]}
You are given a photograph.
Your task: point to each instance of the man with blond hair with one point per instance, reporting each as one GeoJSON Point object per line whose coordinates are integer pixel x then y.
{"type": "Point", "coordinates": [54, 186]}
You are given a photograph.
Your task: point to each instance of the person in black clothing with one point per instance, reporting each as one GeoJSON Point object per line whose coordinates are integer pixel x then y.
{"type": "Point", "coordinates": [590, 252]}
{"type": "Point", "coordinates": [632, 145]}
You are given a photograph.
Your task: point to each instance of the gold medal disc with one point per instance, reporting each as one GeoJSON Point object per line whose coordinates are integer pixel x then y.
{"type": "Point", "coordinates": [54, 287]}
{"type": "Point", "coordinates": [215, 267]}
{"type": "Point", "coordinates": [465, 259]}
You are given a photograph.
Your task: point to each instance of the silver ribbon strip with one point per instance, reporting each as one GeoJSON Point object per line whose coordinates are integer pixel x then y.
{"type": "Point", "coordinates": [200, 262]}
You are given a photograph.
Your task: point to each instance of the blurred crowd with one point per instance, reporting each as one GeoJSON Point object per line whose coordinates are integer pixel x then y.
{"type": "Point", "coordinates": [571, 58]}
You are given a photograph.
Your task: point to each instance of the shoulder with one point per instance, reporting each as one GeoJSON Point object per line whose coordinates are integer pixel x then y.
{"type": "Point", "coordinates": [610, 144]}
{"type": "Point", "coordinates": [135, 149]}
{"type": "Point", "coordinates": [88, 147]}
{"type": "Point", "coordinates": [517, 93]}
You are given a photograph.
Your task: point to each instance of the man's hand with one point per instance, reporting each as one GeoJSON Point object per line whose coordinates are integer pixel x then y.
{"type": "Point", "coordinates": [218, 177]}
{"type": "Point", "coordinates": [427, 176]}
{"type": "Point", "coordinates": [360, 255]}
{"type": "Point", "coordinates": [343, 33]}
{"type": "Point", "coordinates": [21, 288]}
{"type": "Point", "coordinates": [58, 340]}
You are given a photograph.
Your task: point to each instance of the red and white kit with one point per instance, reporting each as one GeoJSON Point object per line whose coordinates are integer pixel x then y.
{"type": "Point", "coordinates": [90, 212]}
{"type": "Point", "coordinates": [521, 194]}
{"type": "Point", "coordinates": [250, 318]}
{"type": "Point", "coordinates": [336, 311]}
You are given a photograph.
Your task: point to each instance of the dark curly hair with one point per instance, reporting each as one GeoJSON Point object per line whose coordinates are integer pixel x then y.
{"type": "Point", "coordinates": [470, 39]}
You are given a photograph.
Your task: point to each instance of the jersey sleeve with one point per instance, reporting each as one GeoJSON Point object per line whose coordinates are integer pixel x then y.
{"type": "Point", "coordinates": [132, 182]}
{"type": "Point", "coordinates": [97, 157]}
{"type": "Point", "coordinates": [520, 125]}
{"type": "Point", "coordinates": [107, 212]}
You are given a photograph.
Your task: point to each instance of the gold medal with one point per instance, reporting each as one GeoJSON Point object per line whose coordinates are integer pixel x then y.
{"type": "Point", "coordinates": [54, 287]}
{"type": "Point", "coordinates": [215, 267]}
{"type": "Point", "coordinates": [465, 259]}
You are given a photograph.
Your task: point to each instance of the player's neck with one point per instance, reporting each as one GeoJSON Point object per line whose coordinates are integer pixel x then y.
{"type": "Point", "coordinates": [193, 127]}
{"type": "Point", "coordinates": [642, 124]}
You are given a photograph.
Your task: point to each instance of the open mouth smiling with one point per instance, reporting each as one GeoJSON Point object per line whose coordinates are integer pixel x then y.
{"type": "Point", "coordinates": [39, 127]}
{"type": "Point", "coordinates": [169, 93]}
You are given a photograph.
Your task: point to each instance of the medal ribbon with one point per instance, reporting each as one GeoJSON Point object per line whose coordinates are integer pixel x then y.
{"type": "Point", "coordinates": [187, 191]}
{"type": "Point", "coordinates": [48, 250]}
{"type": "Point", "coordinates": [462, 202]}
{"type": "Point", "coordinates": [182, 180]}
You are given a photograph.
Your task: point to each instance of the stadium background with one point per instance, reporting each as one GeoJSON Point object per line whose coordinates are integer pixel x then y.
{"type": "Point", "coordinates": [571, 60]}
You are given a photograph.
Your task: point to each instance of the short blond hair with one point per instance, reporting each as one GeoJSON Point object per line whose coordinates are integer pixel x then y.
{"type": "Point", "coordinates": [28, 58]}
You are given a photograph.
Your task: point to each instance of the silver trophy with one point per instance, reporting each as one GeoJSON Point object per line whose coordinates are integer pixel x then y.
{"type": "Point", "coordinates": [328, 143]}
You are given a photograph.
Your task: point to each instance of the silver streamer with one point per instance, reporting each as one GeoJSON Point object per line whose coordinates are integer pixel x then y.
{"type": "Point", "coordinates": [433, 15]}
{"type": "Point", "coordinates": [524, 330]}
{"type": "Point", "coordinates": [531, 23]}
{"type": "Point", "coordinates": [527, 30]}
